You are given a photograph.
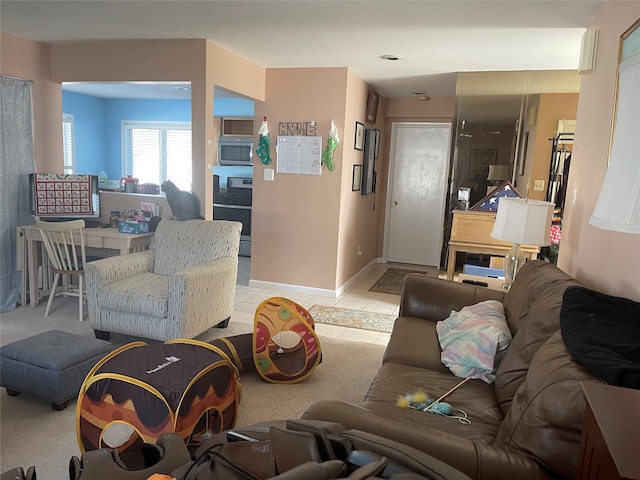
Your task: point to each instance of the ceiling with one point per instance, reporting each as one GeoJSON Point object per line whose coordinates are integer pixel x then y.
{"type": "Point", "coordinates": [434, 39]}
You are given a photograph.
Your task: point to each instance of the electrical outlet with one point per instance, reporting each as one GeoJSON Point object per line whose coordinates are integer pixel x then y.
{"type": "Point", "coordinates": [359, 252]}
{"type": "Point", "coordinates": [538, 185]}
{"type": "Point", "coordinates": [268, 174]}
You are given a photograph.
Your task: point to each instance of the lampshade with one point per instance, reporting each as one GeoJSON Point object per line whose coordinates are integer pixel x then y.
{"type": "Point", "coordinates": [498, 172]}
{"type": "Point", "coordinates": [522, 221]}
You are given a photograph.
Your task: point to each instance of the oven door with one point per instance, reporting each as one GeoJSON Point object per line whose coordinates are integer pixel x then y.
{"type": "Point", "coordinates": [237, 213]}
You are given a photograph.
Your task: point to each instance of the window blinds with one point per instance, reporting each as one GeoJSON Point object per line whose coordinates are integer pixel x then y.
{"type": "Point", "coordinates": [67, 144]}
{"type": "Point", "coordinates": [157, 151]}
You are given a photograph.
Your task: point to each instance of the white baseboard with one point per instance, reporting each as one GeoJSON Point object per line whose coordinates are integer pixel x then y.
{"type": "Point", "coordinates": [356, 278]}
{"type": "Point", "coordinates": [320, 292]}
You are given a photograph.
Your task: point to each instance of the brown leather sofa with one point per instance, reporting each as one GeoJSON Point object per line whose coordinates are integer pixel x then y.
{"type": "Point", "coordinates": [525, 425]}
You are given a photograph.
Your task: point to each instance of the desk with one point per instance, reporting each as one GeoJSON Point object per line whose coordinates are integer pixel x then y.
{"type": "Point", "coordinates": [109, 238]}
{"type": "Point", "coordinates": [471, 233]}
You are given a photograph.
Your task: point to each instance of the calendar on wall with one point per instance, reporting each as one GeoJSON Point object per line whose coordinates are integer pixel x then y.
{"type": "Point", "coordinates": [299, 154]}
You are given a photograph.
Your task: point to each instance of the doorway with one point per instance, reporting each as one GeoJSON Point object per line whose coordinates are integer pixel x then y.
{"type": "Point", "coordinates": [417, 190]}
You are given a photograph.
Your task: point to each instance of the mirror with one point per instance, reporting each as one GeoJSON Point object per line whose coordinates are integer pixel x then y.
{"type": "Point", "coordinates": [495, 113]}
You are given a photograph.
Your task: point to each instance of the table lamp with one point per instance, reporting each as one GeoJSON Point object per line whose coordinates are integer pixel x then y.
{"type": "Point", "coordinates": [522, 222]}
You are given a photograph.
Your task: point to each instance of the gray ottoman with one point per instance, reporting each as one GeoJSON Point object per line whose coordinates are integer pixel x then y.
{"type": "Point", "coordinates": [51, 365]}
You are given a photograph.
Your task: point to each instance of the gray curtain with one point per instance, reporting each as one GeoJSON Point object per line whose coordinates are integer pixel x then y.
{"type": "Point", "coordinates": [16, 162]}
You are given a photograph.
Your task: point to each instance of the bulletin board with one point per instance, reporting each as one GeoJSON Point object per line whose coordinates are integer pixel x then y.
{"type": "Point", "coordinates": [299, 154]}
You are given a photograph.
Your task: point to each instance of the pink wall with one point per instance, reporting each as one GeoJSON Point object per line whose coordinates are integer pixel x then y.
{"type": "Point", "coordinates": [30, 60]}
{"type": "Point", "coordinates": [603, 260]}
{"type": "Point", "coordinates": [359, 217]}
{"type": "Point", "coordinates": [295, 233]}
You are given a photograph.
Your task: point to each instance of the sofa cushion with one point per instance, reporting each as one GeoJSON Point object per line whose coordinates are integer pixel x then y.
{"type": "Point", "coordinates": [542, 321]}
{"type": "Point", "coordinates": [414, 341]}
{"type": "Point", "coordinates": [546, 415]}
{"type": "Point", "coordinates": [146, 294]}
{"type": "Point", "coordinates": [474, 340]}
{"type": "Point", "coordinates": [475, 398]}
{"type": "Point", "coordinates": [532, 280]}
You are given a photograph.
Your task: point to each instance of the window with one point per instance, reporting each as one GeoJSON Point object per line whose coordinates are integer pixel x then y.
{"type": "Point", "coordinates": [157, 151]}
{"type": "Point", "coordinates": [67, 143]}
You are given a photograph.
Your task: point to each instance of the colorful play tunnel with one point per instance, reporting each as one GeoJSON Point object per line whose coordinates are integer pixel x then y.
{"type": "Point", "coordinates": [184, 386]}
{"type": "Point", "coordinates": [286, 348]}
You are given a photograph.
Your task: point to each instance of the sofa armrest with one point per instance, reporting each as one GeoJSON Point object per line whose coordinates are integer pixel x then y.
{"type": "Point", "coordinates": [433, 298]}
{"type": "Point", "coordinates": [202, 296]}
{"type": "Point", "coordinates": [476, 459]}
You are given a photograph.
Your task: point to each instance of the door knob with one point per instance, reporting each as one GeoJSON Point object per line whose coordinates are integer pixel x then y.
{"type": "Point", "coordinates": [395, 203]}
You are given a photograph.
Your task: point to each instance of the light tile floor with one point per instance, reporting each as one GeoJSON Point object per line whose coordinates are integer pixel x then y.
{"type": "Point", "coordinates": [357, 297]}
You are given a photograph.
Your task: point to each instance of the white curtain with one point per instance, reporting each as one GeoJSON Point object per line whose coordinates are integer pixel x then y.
{"type": "Point", "coordinates": [618, 206]}
{"type": "Point", "coordinates": [16, 162]}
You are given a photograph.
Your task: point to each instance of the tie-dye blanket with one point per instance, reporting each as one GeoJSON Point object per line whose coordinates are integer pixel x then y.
{"type": "Point", "coordinates": [474, 340]}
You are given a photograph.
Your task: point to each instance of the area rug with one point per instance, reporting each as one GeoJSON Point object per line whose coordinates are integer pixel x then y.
{"type": "Point", "coordinates": [344, 317]}
{"type": "Point", "coordinates": [392, 281]}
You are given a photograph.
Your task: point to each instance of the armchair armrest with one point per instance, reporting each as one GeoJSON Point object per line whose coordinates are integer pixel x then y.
{"type": "Point", "coordinates": [200, 294]}
{"type": "Point", "coordinates": [113, 269]}
{"type": "Point", "coordinates": [433, 298]}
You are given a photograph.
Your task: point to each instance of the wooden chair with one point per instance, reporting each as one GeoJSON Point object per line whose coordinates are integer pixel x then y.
{"type": "Point", "coordinates": [64, 243]}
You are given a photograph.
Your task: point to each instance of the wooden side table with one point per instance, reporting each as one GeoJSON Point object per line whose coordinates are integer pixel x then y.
{"type": "Point", "coordinates": [471, 233]}
{"type": "Point", "coordinates": [609, 448]}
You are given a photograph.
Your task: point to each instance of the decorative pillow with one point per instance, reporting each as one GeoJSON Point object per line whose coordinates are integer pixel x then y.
{"type": "Point", "coordinates": [474, 340]}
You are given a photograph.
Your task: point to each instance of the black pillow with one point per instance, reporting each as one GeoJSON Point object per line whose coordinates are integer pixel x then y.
{"type": "Point", "coordinates": [602, 333]}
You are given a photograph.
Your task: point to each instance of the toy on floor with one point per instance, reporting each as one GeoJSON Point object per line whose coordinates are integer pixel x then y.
{"type": "Point", "coordinates": [183, 386]}
{"type": "Point", "coordinates": [286, 348]}
{"type": "Point", "coordinates": [421, 401]}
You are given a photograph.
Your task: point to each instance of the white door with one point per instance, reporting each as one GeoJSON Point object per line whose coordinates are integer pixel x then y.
{"type": "Point", "coordinates": [417, 189]}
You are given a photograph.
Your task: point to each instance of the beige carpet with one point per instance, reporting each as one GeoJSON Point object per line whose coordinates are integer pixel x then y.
{"type": "Point", "coordinates": [344, 317]}
{"type": "Point", "coordinates": [392, 281]}
{"type": "Point", "coordinates": [33, 434]}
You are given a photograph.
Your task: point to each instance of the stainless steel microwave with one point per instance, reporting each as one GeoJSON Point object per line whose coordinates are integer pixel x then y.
{"type": "Point", "coordinates": [235, 150]}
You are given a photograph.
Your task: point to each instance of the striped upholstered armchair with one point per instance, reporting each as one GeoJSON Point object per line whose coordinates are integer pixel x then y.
{"type": "Point", "coordinates": [178, 289]}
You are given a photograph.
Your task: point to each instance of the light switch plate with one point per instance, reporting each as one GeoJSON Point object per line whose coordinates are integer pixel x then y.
{"type": "Point", "coordinates": [268, 174]}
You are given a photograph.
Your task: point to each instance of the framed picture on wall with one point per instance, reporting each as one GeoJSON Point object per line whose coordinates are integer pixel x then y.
{"type": "Point", "coordinates": [356, 180]}
{"type": "Point", "coordinates": [368, 164]}
{"type": "Point", "coordinates": [479, 162]}
{"type": "Point", "coordinates": [358, 141]}
{"type": "Point", "coordinates": [372, 106]}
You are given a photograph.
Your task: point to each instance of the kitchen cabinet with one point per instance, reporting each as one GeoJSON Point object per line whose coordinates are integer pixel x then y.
{"type": "Point", "coordinates": [236, 126]}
